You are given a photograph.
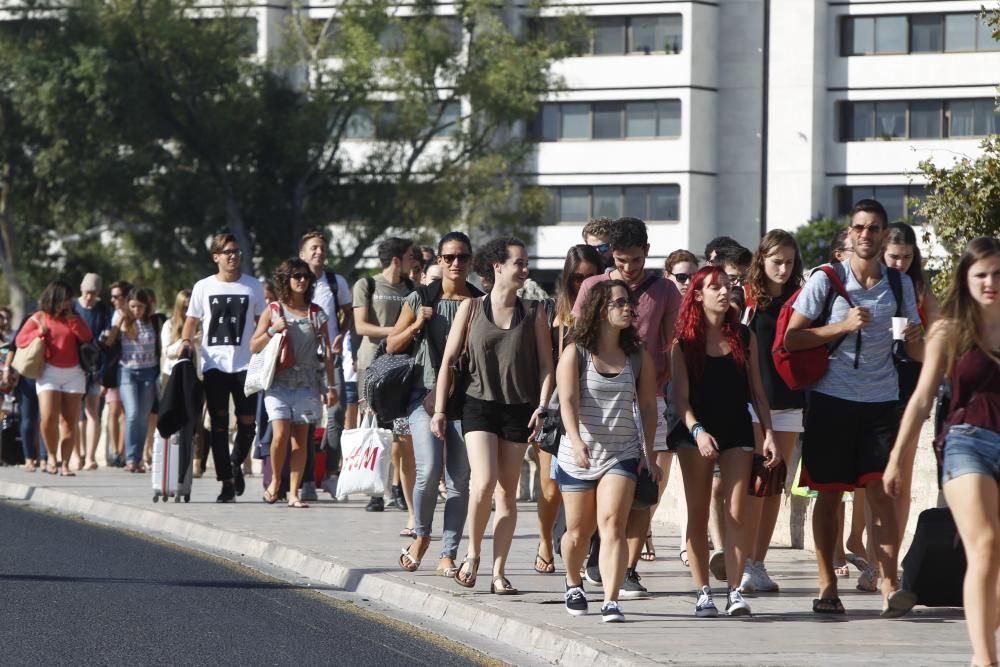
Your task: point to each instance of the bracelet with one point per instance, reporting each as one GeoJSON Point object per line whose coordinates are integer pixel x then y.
{"type": "Point", "coordinates": [331, 387]}
{"type": "Point", "coordinates": [441, 412]}
{"type": "Point", "coordinates": [271, 332]}
{"type": "Point", "coordinates": [542, 407]}
{"type": "Point", "coordinates": [185, 340]}
{"type": "Point", "coordinates": [697, 429]}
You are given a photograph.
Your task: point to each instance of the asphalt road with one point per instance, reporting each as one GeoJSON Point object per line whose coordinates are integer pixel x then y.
{"type": "Point", "coordinates": [75, 593]}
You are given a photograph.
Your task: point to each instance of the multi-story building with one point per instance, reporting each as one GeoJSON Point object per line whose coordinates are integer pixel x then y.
{"type": "Point", "coordinates": [712, 117]}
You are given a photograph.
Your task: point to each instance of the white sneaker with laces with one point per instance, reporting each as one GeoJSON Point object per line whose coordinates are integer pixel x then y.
{"type": "Point", "coordinates": [761, 581]}
{"type": "Point", "coordinates": [736, 605]}
{"type": "Point", "coordinates": [705, 607]}
{"type": "Point", "coordinates": [747, 581]}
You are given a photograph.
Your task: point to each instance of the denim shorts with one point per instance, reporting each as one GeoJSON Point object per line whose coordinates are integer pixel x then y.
{"type": "Point", "coordinates": [971, 450]}
{"type": "Point", "coordinates": [351, 393]}
{"type": "Point", "coordinates": [300, 405]}
{"type": "Point", "coordinates": [627, 468]}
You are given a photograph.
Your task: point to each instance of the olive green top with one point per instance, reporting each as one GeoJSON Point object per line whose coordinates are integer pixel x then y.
{"type": "Point", "coordinates": [503, 363]}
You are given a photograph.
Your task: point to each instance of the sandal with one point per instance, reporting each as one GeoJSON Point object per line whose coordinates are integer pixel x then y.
{"type": "Point", "coordinates": [298, 504]}
{"type": "Point", "coordinates": [51, 469]}
{"type": "Point", "coordinates": [828, 606]}
{"type": "Point", "coordinates": [407, 561]}
{"type": "Point", "coordinates": [868, 581]}
{"type": "Point", "coordinates": [505, 587]}
{"type": "Point", "coordinates": [408, 532]}
{"type": "Point", "coordinates": [269, 497]}
{"type": "Point", "coordinates": [447, 572]}
{"type": "Point", "coordinates": [650, 553]}
{"type": "Point", "coordinates": [857, 561]}
{"type": "Point", "coordinates": [129, 467]}
{"type": "Point", "coordinates": [842, 571]}
{"type": "Point", "coordinates": [684, 558]}
{"type": "Point", "coordinates": [899, 603]}
{"type": "Point", "coordinates": [466, 576]}
{"type": "Point", "coordinates": [68, 472]}
{"type": "Point", "coordinates": [547, 566]}
{"type": "Point", "coordinates": [91, 466]}
{"type": "Point", "coordinates": [29, 466]}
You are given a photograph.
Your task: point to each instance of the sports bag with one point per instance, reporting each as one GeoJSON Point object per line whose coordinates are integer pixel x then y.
{"type": "Point", "coordinates": [803, 368]}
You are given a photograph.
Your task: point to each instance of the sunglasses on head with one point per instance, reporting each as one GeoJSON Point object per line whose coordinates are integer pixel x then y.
{"type": "Point", "coordinates": [681, 277]}
{"type": "Point", "coordinates": [461, 257]}
{"type": "Point", "coordinates": [602, 247]}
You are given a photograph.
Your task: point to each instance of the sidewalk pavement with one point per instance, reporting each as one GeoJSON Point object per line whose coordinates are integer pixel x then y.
{"type": "Point", "coordinates": [340, 544]}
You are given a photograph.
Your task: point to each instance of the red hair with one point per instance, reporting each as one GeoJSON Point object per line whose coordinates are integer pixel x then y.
{"type": "Point", "coordinates": [691, 324]}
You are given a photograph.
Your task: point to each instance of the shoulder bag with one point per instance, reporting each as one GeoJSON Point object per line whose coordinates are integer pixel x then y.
{"type": "Point", "coordinates": [459, 375]}
{"type": "Point", "coordinates": [29, 360]}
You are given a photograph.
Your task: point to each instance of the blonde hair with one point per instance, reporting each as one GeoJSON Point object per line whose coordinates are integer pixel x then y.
{"type": "Point", "coordinates": [181, 302]}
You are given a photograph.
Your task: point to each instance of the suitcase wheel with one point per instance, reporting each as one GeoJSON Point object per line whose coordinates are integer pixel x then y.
{"type": "Point", "coordinates": [156, 499]}
{"type": "Point", "coordinates": [187, 499]}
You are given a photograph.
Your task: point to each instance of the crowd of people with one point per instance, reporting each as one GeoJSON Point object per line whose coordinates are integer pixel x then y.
{"type": "Point", "coordinates": [630, 366]}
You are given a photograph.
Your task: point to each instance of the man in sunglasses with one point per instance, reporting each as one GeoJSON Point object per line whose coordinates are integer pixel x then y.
{"type": "Point", "coordinates": [597, 234]}
{"type": "Point", "coordinates": [227, 306]}
{"type": "Point", "coordinates": [657, 302]}
{"type": "Point", "coordinates": [735, 260]}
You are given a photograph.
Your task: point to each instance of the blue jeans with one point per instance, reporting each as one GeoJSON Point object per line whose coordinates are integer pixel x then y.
{"type": "Point", "coordinates": [431, 455]}
{"type": "Point", "coordinates": [27, 399]}
{"type": "Point", "coordinates": [137, 387]}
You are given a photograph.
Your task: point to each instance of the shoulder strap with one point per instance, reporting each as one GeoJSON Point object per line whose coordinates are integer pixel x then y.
{"type": "Point", "coordinates": [644, 286]}
{"type": "Point", "coordinates": [896, 285]}
{"type": "Point", "coordinates": [581, 360]}
{"type": "Point", "coordinates": [331, 277]}
{"type": "Point", "coordinates": [409, 284]}
{"type": "Point", "coordinates": [635, 358]}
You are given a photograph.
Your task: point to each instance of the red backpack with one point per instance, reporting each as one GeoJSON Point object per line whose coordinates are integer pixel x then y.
{"type": "Point", "coordinates": [803, 368]}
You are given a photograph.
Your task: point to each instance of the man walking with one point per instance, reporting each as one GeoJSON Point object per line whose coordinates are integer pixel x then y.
{"type": "Point", "coordinates": [97, 315]}
{"type": "Point", "coordinates": [853, 412]}
{"type": "Point", "coordinates": [227, 306]}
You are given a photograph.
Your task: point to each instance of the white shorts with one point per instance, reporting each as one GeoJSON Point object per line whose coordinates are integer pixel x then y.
{"type": "Point", "coordinates": [782, 421]}
{"type": "Point", "coordinates": [67, 380]}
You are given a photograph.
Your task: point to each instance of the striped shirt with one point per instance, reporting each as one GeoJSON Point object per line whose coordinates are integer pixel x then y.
{"type": "Point", "coordinates": [607, 422]}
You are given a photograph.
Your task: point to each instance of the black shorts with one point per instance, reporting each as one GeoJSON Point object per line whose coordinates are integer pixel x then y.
{"type": "Point", "coordinates": [509, 422]}
{"type": "Point", "coordinates": [680, 437]}
{"type": "Point", "coordinates": [846, 444]}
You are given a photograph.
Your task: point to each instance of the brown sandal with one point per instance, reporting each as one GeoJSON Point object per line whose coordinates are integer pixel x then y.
{"type": "Point", "coordinates": [466, 576]}
{"type": "Point", "coordinates": [505, 587]}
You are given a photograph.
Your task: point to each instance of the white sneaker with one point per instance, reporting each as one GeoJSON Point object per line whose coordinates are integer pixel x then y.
{"type": "Point", "coordinates": [747, 581]}
{"type": "Point", "coordinates": [705, 608]}
{"type": "Point", "coordinates": [736, 605]}
{"type": "Point", "coordinates": [761, 581]}
{"type": "Point", "coordinates": [717, 565]}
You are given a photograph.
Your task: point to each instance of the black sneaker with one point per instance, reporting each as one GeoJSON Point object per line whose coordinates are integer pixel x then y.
{"type": "Point", "coordinates": [576, 601]}
{"type": "Point", "coordinates": [400, 498]}
{"type": "Point", "coordinates": [239, 483]}
{"type": "Point", "coordinates": [228, 494]}
{"type": "Point", "coordinates": [375, 504]}
{"type": "Point", "coordinates": [631, 589]}
{"type": "Point", "coordinates": [593, 575]}
{"type": "Point", "coordinates": [611, 613]}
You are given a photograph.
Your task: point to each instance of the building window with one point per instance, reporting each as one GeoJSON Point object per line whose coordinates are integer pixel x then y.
{"type": "Point", "coordinates": [364, 126]}
{"type": "Point", "coordinates": [622, 35]}
{"type": "Point", "coordinates": [919, 119]}
{"type": "Point", "coordinates": [900, 201]}
{"type": "Point", "coordinates": [915, 33]}
{"type": "Point", "coordinates": [565, 121]}
{"type": "Point", "coordinates": [652, 203]}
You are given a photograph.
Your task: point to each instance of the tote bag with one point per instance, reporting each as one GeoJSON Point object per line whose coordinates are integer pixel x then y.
{"type": "Point", "coordinates": [365, 469]}
{"type": "Point", "coordinates": [263, 364]}
{"type": "Point", "coordinates": [29, 361]}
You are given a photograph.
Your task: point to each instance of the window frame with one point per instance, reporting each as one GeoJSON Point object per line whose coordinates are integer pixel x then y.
{"type": "Point", "coordinates": [847, 31]}
{"type": "Point", "coordinates": [555, 204]}
{"type": "Point", "coordinates": [661, 109]}
{"type": "Point", "coordinates": [847, 116]}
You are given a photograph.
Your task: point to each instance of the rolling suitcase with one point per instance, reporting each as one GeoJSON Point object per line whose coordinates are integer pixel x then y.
{"type": "Point", "coordinates": [11, 453]}
{"type": "Point", "coordinates": [169, 479]}
{"type": "Point", "coordinates": [934, 567]}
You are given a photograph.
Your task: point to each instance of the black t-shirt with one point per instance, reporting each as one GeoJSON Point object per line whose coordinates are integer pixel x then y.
{"type": "Point", "coordinates": [764, 324]}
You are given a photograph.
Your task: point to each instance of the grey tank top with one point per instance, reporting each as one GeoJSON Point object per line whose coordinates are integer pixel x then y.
{"type": "Point", "coordinates": [503, 363]}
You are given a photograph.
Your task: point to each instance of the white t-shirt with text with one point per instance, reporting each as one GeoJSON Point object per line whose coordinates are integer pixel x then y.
{"type": "Point", "coordinates": [228, 312]}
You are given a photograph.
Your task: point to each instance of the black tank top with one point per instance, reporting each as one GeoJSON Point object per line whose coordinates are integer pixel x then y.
{"type": "Point", "coordinates": [719, 398]}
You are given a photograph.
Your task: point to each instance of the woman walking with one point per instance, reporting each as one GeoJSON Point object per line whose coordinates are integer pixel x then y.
{"type": "Point", "coordinates": [775, 274]}
{"type": "Point", "coordinates": [964, 344]}
{"type": "Point", "coordinates": [138, 372]}
{"type": "Point", "coordinates": [426, 319]}
{"type": "Point", "coordinates": [63, 381]}
{"type": "Point", "coordinates": [716, 374]}
{"type": "Point", "coordinates": [509, 387]}
{"type": "Point", "coordinates": [603, 450]}
{"type": "Point", "coordinates": [295, 400]}
{"type": "Point", "coordinates": [582, 261]}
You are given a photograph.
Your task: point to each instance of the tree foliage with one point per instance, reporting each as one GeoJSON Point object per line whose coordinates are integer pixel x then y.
{"type": "Point", "coordinates": [815, 240]}
{"type": "Point", "coordinates": [140, 129]}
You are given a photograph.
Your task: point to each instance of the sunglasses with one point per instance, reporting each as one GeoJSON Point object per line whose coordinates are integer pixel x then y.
{"type": "Point", "coordinates": [619, 303]}
{"type": "Point", "coordinates": [300, 276]}
{"type": "Point", "coordinates": [681, 277]}
{"type": "Point", "coordinates": [602, 247]}
{"type": "Point", "coordinates": [117, 296]}
{"type": "Point", "coordinates": [861, 229]}
{"type": "Point", "coordinates": [231, 252]}
{"type": "Point", "coordinates": [463, 258]}
{"type": "Point", "coordinates": [735, 279]}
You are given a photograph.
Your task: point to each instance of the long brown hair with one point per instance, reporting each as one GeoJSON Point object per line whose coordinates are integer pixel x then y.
{"type": "Point", "coordinates": [181, 303]}
{"type": "Point", "coordinates": [960, 310]}
{"type": "Point", "coordinates": [757, 279]}
{"type": "Point", "coordinates": [587, 328]}
{"type": "Point", "coordinates": [569, 283]}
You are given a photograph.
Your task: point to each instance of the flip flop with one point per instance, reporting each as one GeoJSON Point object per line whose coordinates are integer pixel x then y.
{"type": "Point", "coordinates": [408, 562]}
{"type": "Point", "coordinates": [408, 532]}
{"type": "Point", "coordinates": [269, 497]}
{"type": "Point", "coordinates": [505, 587]}
{"type": "Point", "coordinates": [842, 570]}
{"type": "Point", "coordinates": [857, 561]}
{"type": "Point", "coordinates": [684, 558]}
{"type": "Point", "coordinates": [899, 603]}
{"type": "Point", "coordinates": [298, 504]}
{"type": "Point", "coordinates": [51, 469]}
{"type": "Point", "coordinates": [547, 568]}
{"type": "Point", "coordinates": [446, 572]}
{"type": "Point", "coordinates": [650, 553]}
{"type": "Point", "coordinates": [90, 466]}
{"type": "Point", "coordinates": [828, 606]}
{"type": "Point", "coordinates": [67, 473]}
{"type": "Point", "coordinates": [470, 572]}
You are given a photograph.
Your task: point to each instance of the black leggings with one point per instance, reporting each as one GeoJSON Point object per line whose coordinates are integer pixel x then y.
{"type": "Point", "coordinates": [219, 386]}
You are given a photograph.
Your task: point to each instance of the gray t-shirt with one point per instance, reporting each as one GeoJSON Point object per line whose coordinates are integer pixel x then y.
{"type": "Point", "coordinates": [304, 334]}
{"type": "Point", "coordinates": [875, 379]}
{"type": "Point", "coordinates": [382, 310]}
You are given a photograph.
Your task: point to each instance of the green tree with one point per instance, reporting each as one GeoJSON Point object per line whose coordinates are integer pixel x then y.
{"type": "Point", "coordinates": [815, 240]}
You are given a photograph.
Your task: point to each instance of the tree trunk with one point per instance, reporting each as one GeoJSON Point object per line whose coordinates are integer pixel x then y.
{"type": "Point", "coordinates": [8, 265]}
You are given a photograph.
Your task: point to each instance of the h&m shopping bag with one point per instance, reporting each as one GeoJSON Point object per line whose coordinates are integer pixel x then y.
{"type": "Point", "coordinates": [365, 469]}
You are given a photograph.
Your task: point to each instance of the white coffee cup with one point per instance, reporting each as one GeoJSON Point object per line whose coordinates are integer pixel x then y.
{"type": "Point", "coordinates": [899, 327]}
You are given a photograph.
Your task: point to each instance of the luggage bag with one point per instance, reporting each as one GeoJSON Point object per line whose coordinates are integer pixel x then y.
{"type": "Point", "coordinates": [169, 480]}
{"type": "Point", "coordinates": [934, 566]}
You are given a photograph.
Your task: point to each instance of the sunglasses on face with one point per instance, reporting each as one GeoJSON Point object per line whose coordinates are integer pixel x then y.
{"type": "Point", "coordinates": [300, 276]}
{"type": "Point", "coordinates": [462, 258]}
{"type": "Point", "coordinates": [231, 252]}
{"type": "Point", "coordinates": [681, 277]}
{"type": "Point", "coordinates": [602, 247]}
{"type": "Point", "coordinates": [736, 279]}
{"type": "Point", "coordinates": [619, 303]}
{"type": "Point", "coordinates": [861, 229]}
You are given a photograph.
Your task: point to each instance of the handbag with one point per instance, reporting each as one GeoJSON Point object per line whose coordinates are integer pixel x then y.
{"type": "Point", "coordinates": [365, 469]}
{"type": "Point", "coordinates": [647, 492]}
{"type": "Point", "coordinates": [552, 429]}
{"type": "Point", "coordinates": [29, 361]}
{"type": "Point", "coordinates": [766, 481]}
{"type": "Point", "coordinates": [262, 366]}
{"type": "Point", "coordinates": [90, 357]}
{"type": "Point", "coordinates": [459, 376]}
{"type": "Point", "coordinates": [286, 353]}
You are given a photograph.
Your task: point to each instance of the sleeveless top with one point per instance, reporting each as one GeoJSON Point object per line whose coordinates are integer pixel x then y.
{"type": "Point", "coordinates": [765, 324]}
{"type": "Point", "coordinates": [975, 382]}
{"type": "Point", "coordinates": [503, 363]}
{"type": "Point", "coordinates": [304, 336]}
{"type": "Point", "coordinates": [607, 421]}
{"type": "Point", "coordinates": [719, 398]}
{"type": "Point", "coordinates": [141, 352]}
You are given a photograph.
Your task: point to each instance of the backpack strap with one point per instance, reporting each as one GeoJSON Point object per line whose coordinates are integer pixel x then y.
{"type": "Point", "coordinates": [896, 285]}
{"type": "Point", "coordinates": [645, 285]}
{"type": "Point", "coordinates": [331, 277]}
{"type": "Point", "coordinates": [635, 359]}
{"type": "Point", "coordinates": [837, 275]}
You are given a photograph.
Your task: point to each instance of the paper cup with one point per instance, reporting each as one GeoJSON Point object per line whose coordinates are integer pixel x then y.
{"type": "Point", "coordinates": [898, 327]}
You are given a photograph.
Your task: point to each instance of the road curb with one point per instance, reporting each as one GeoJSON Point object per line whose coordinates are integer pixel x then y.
{"type": "Point", "coordinates": [547, 643]}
